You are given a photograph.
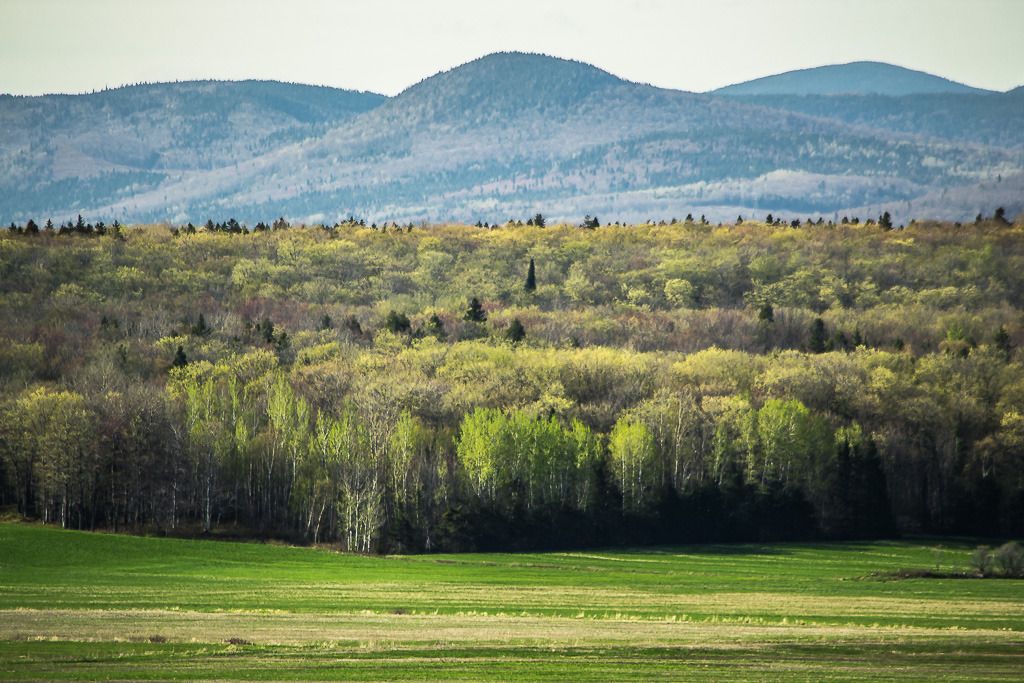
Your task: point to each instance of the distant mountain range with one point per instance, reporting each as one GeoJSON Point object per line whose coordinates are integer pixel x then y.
{"type": "Point", "coordinates": [512, 134]}
{"type": "Point", "coordinates": [856, 78]}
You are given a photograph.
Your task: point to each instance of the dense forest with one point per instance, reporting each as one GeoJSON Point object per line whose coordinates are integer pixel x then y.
{"type": "Point", "coordinates": [410, 388]}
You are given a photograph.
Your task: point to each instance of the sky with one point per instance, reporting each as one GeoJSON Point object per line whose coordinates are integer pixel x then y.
{"type": "Point", "coordinates": [387, 45]}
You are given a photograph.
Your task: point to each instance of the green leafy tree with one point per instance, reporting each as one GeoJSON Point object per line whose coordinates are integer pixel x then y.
{"type": "Point", "coordinates": [631, 454]}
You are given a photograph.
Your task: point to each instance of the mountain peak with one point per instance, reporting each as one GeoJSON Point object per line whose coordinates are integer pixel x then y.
{"type": "Point", "coordinates": [854, 78]}
{"type": "Point", "coordinates": [503, 81]}
{"type": "Point", "coordinates": [523, 68]}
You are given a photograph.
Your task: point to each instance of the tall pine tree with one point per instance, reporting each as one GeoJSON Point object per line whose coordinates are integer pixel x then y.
{"type": "Point", "coordinates": [818, 337]}
{"type": "Point", "coordinates": [475, 313]}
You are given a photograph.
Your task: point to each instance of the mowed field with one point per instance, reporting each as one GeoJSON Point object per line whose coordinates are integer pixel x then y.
{"type": "Point", "coordinates": [84, 606]}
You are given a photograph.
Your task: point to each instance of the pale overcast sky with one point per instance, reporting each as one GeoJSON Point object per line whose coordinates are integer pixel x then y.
{"type": "Point", "coordinates": [387, 45]}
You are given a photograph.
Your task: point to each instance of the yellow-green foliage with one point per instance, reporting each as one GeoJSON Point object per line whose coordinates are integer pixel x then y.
{"type": "Point", "coordinates": [660, 361]}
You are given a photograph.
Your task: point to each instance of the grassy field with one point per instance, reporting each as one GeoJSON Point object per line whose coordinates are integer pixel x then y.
{"type": "Point", "coordinates": [80, 606]}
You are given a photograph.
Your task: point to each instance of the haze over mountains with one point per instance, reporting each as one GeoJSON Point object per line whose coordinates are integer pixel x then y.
{"type": "Point", "coordinates": [511, 134]}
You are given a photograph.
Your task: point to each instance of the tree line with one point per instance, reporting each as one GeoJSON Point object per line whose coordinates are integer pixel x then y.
{"type": "Point", "coordinates": [201, 384]}
{"type": "Point", "coordinates": [236, 445]}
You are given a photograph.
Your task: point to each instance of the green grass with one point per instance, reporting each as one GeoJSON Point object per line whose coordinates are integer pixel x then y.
{"type": "Point", "coordinates": [80, 606]}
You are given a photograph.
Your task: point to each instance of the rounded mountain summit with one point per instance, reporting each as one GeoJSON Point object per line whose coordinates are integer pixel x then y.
{"type": "Point", "coordinates": [855, 78]}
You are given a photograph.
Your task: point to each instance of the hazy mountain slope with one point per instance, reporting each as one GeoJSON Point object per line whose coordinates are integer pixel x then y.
{"type": "Point", "coordinates": [511, 134]}
{"type": "Point", "coordinates": [67, 150]}
{"type": "Point", "coordinates": [855, 78]}
{"type": "Point", "coordinates": [961, 203]}
{"type": "Point", "coordinates": [993, 119]}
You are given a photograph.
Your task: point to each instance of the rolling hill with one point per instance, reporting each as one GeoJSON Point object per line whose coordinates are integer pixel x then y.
{"type": "Point", "coordinates": [67, 151]}
{"type": "Point", "coordinates": [505, 135]}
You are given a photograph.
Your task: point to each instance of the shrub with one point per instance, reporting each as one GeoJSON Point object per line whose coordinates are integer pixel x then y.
{"type": "Point", "coordinates": [1010, 558]}
{"type": "Point", "coordinates": [981, 560]}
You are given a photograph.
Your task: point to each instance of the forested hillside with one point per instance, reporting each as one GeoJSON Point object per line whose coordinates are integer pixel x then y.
{"type": "Point", "coordinates": [456, 387]}
{"type": "Point", "coordinates": [90, 149]}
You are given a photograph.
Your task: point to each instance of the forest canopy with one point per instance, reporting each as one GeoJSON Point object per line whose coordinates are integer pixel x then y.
{"type": "Point", "coordinates": [456, 387]}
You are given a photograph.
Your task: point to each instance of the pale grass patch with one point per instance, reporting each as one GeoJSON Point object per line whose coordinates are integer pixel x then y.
{"type": "Point", "coordinates": [387, 631]}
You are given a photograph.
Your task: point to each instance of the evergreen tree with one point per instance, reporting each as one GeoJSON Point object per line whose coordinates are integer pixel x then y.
{"type": "Point", "coordinates": [475, 313]}
{"type": "Point", "coordinates": [766, 314]}
{"type": "Point", "coordinates": [180, 359]}
{"type": "Point", "coordinates": [435, 327]}
{"type": "Point", "coordinates": [266, 330]}
{"type": "Point", "coordinates": [201, 329]}
{"type": "Point", "coordinates": [398, 323]}
{"type": "Point", "coordinates": [516, 332]}
{"type": "Point", "coordinates": [353, 326]}
{"type": "Point", "coordinates": [885, 221]}
{"type": "Point", "coordinates": [538, 220]}
{"type": "Point", "coordinates": [531, 278]}
{"type": "Point", "coordinates": [282, 343]}
{"type": "Point", "coordinates": [31, 228]}
{"type": "Point", "coordinates": [1000, 216]}
{"type": "Point", "coordinates": [1001, 340]}
{"type": "Point", "coordinates": [819, 337]}
{"type": "Point", "coordinates": [326, 323]}
{"type": "Point", "coordinates": [869, 502]}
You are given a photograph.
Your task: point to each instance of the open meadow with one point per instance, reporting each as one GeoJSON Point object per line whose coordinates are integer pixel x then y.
{"type": "Point", "coordinates": [539, 342]}
{"type": "Point", "coordinates": [84, 606]}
